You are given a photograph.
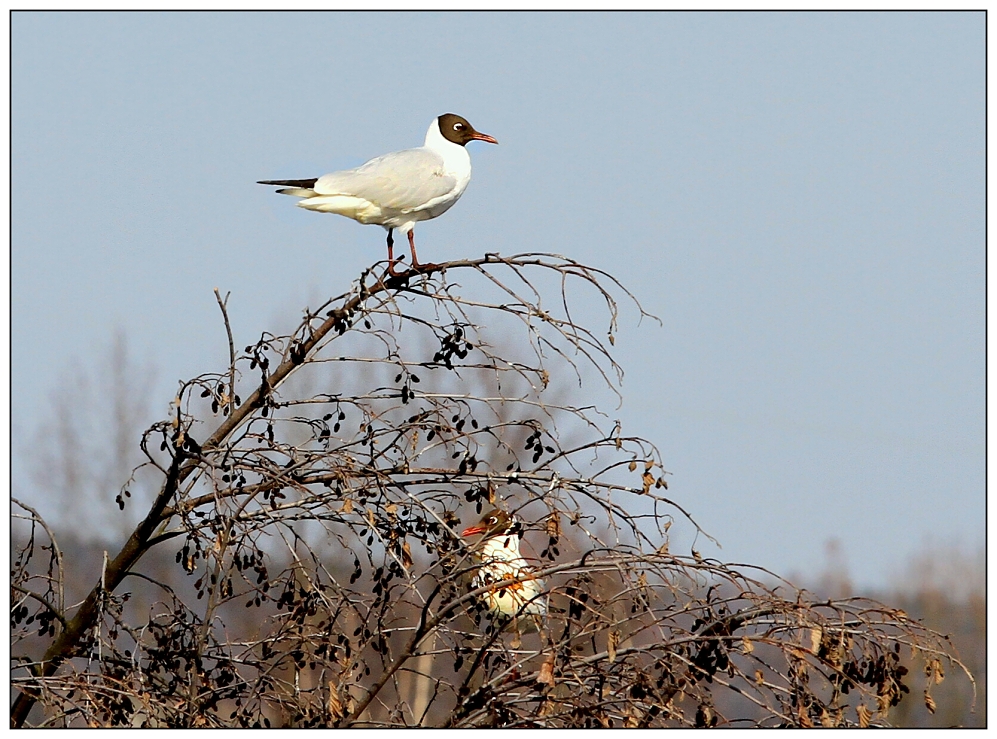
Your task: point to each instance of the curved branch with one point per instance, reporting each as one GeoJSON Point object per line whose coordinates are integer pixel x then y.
{"type": "Point", "coordinates": [51, 609]}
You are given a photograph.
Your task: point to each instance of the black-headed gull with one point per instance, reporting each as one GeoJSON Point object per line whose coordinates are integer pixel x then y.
{"type": "Point", "coordinates": [400, 189]}
{"type": "Point", "coordinates": [498, 553]}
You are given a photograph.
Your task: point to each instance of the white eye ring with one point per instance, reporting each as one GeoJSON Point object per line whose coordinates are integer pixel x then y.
{"type": "Point", "coordinates": [492, 520]}
{"type": "Point", "coordinates": [458, 126]}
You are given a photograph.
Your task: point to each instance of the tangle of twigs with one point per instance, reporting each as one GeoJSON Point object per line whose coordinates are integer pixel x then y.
{"type": "Point", "coordinates": [302, 563]}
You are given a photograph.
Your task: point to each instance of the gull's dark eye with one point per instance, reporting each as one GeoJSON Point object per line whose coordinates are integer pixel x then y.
{"type": "Point", "coordinates": [458, 126]}
{"type": "Point", "coordinates": [492, 521]}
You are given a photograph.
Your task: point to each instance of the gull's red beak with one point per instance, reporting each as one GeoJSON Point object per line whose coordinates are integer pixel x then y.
{"type": "Point", "coordinates": [478, 136]}
{"type": "Point", "coordinates": [472, 530]}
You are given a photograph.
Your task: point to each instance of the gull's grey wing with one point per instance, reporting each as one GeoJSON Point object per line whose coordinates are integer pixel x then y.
{"type": "Point", "coordinates": [404, 180]}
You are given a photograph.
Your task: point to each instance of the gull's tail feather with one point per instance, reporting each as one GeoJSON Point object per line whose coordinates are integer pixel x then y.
{"type": "Point", "coordinates": [306, 184]}
{"type": "Point", "coordinates": [298, 188]}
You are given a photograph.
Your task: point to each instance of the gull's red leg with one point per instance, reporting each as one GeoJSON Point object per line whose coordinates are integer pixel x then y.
{"type": "Point", "coordinates": [391, 252]}
{"type": "Point", "coordinates": [411, 246]}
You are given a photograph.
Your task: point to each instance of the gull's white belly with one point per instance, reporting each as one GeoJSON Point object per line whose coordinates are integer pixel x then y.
{"type": "Point", "coordinates": [367, 212]}
{"type": "Point", "coordinates": [501, 560]}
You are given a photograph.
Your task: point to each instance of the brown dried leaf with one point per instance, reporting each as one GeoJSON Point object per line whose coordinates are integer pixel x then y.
{"type": "Point", "coordinates": [935, 671]}
{"type": "Point", "coordinates": [815, 636]}
{"type": "Point", "coordinates": [546, 676]}
{"type": "Point", "coordinates": [929, 702]}
{"type": "Point", "coordinates": [746, 645]}
{"type": "Point", "coordinates": [864, 714]}
{"type": "Point", "coordinates": [611, 643]}
{"type": "Point", "coordinates": [632, 465]}
{"type": "Point", "coordinates": [883, 700]}
{"type": "Point", "coordinates": [347, 506]}
{"type": "Point", "coordinates": [800, 654]}
{"type": "Point", "coordinates": [554, 525]}
{"type": "Point", "coordinates": [648, 480]}
{"type": "Point", "coordinates": [335, 705]}
{"type": "Point", "coordinates": [406, 554]}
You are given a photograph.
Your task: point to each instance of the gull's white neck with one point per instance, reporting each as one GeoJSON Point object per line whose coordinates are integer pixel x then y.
{"type": "Point", "coordinates": [456, 160]}
{"type": "Point", "coordinates": [503, 548]}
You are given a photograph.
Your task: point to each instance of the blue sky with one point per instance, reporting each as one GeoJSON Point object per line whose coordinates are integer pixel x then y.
{"type": "Point", "coordinates": [799, 197]}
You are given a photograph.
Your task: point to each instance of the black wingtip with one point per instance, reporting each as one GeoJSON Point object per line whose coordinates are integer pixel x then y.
{"type": "Point", "coordinates": [290, 183]}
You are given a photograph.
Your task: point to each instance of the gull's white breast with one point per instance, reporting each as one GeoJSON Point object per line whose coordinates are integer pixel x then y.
{"type": "Point", "coordinates": [501, 559]}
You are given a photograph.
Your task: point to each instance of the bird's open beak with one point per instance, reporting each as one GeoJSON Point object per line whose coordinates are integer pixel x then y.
{"type": "Point", "coordinates": [472, 530]}
{"type": "Point", "coordinates": [478, 136]}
